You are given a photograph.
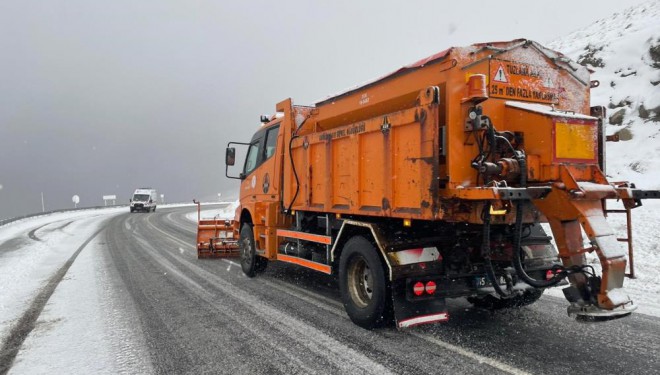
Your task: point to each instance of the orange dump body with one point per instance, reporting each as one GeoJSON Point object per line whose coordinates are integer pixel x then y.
{"type": "Point", "coordinates": [398, 147]}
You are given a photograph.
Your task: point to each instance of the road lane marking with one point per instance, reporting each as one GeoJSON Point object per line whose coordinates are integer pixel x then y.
{"type": "Point", "coordinates": [466, 353]}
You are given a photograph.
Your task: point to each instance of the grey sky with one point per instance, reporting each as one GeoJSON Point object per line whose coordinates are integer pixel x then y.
{"type": "Point", "coordinates": [101, 97]}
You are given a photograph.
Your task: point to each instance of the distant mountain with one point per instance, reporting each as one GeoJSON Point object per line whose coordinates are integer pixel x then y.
{"type": "Point", "coordinates": [624, 53]}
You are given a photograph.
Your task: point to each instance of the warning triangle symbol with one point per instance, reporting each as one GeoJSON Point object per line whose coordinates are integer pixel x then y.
{"type": "Point", "coordinates": [500, 75]}
{"type": "Point", "coordinates": [548, 83]}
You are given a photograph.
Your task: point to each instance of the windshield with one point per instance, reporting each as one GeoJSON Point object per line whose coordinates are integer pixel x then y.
{"type": "Point", "coordinates": [141, 197]}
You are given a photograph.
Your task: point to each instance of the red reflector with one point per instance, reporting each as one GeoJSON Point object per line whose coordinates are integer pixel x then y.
{"type": "Point", "coordinates": [549, 275]}
{"type": "Point", "coordinates": [430, 287]}
{"type": "Point", "coordinates": [418, 288]}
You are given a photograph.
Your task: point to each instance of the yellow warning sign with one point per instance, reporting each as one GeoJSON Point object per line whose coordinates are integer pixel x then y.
{"type": "Point", "coordinates": [520, 81]}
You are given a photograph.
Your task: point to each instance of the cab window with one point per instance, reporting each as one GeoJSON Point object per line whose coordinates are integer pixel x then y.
{"type": "Point", "coordinates": [261, 148]}
{"type": "Point", "coordinates": [271, 142]}
{"type": "Point", "coordinates": [252, 156]}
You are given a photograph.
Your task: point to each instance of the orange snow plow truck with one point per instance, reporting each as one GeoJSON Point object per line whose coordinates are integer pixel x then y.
{"type": "Point", "coordinates": [430, 183]}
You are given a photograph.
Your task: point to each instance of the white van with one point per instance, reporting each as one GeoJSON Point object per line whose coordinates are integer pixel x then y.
{"type": "Point", "coordinates": [144, 199]}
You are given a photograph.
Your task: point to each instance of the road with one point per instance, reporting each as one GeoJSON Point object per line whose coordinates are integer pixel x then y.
{"type": "Point", "coordinates": [205, 316]}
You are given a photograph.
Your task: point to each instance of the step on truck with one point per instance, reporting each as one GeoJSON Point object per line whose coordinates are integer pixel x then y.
{"type": "Point", "coordinates": [431, 183]}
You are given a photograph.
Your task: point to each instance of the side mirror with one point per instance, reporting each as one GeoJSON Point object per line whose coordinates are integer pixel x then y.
{"type": "Point", "coordinates": [151, 201]}
{"type": "Point", "coordinates": [230, 159]}
{"type": "Point", "coordinates": [130, 200]}
{"type": "Point", "coordinates": [230, 156]}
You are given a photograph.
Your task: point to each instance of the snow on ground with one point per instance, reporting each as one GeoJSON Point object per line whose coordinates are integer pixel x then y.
{"type": "Point", "coordinates": [82, 310]}
{"type": "Point", "coordinates": [27, 263]}
{"type": "Point", "coordinates": [85, 327]}
{"type": "Point", "coordinates": [225, 212]}
{"type": "Point", "coordinates": [33, 249]}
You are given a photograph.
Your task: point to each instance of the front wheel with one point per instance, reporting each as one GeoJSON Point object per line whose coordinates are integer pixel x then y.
{"type": "Point", "coordinates": [251, 263]}
{"type": "Point", "coordinates": [363, 286]}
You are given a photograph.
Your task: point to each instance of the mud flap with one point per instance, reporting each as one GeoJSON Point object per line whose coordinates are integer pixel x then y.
{"type": "Point", "coordinates": [408, 313]}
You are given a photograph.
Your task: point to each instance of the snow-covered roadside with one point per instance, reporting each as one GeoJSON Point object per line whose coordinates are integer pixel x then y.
{"type": "Point", "coordinates": [86, 325]}
{"type": "Point", "coordinates": [226, 212]}
{"type": "Point", "coordinates": [32, 250]}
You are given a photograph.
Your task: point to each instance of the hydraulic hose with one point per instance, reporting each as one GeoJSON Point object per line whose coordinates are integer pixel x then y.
{"type": "Point", "coordinates": [517, 236]}
{"type": "Point", "coordinates": [485, 251]}
{"type": "Point", "coordinates": [295, 174]}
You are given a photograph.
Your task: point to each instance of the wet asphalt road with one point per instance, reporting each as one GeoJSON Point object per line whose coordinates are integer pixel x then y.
{"type": "Point", "coordinates": [205, 316]}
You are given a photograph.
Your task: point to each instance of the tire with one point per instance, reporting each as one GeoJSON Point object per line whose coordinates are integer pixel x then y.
{"type": "Point", "coordinates": [491, 302]}
{"type": "Point", "coordinates": [132, 210]}
{"type": "Point", "coordinates": [251, 263]}
{"type": "Point", "coordinates": [363, 286]}
{"type": "Point", "coordinates": [153, 209]}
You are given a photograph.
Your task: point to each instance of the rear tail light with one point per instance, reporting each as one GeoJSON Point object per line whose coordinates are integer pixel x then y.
{"type": "Point", "coordinates": [551, 273]}
{"type": "Point", "coordinates": [430, 287]}
{"type": "Point", "coordinates": [418, 288]}
{"type": "Point", "coordinates": [421, 288]}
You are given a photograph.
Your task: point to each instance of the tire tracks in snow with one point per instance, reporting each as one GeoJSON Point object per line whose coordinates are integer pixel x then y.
{"type": "Point", "coordinates": [27, 321]}
{"type": "Point", "coordinates": [32, 233]}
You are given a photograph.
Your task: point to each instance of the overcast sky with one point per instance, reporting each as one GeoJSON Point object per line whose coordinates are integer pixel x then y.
{"type": "Point", "coordinates": [102, 97]}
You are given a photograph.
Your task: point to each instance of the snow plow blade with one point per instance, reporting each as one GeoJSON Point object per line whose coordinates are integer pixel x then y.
{"type": "Point", "coordinates": [216, 238]}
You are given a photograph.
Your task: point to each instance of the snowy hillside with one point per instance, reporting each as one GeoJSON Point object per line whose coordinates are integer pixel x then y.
{"type": "Point", "coordinates": [624, 52]}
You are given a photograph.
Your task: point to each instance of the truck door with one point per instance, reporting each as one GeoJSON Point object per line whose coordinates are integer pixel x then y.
{"type": "Point", "coordinates": [259, 171]}
{"type": "Point", "coordinates": [261, 185]}
{"type": "Point", "coordinates": [269, 180]}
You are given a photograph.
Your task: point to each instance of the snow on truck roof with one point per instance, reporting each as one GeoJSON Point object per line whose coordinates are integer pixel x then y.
{"type": "Point", "coordinates": [547, 110]}
{"type": "Point", "coordinates": [440, 56]}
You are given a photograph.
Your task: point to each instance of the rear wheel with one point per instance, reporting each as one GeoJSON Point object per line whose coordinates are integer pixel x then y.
{"type": "Point", "coordinates": [363, 286]}
{"type": "Point", "coordinates": [491, 302]}
{"type": "Point", "coordinates": [251, 263]}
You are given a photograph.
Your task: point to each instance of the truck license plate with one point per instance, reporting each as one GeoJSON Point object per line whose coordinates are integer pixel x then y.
{"type": "Point", "coordinates": [482, 281]}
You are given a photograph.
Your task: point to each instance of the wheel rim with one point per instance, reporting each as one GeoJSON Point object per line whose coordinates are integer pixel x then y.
{"type": "Point", "coordinates": [246, 252]}
{"type": "Point", "coordinates": [360, 282]}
